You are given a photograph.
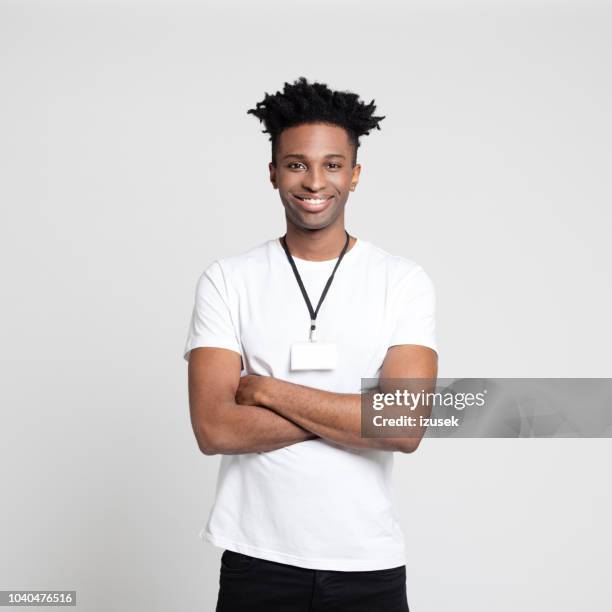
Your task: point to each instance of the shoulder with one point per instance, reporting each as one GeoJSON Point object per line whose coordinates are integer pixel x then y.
{"type": "Point", "coordinates": [223, 269]}
{"type": "Point", "coordinates": [398, 268]}
{"type": "Point", "coordinates": [251, 255]}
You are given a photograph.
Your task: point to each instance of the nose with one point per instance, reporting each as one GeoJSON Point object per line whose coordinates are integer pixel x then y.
{"type": "Point", "coordinates": [314, 179]}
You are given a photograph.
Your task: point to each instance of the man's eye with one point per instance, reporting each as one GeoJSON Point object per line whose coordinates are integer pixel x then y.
{"type": "Point", "coordinates": [335, 165]}
{"type": "Point", "coordinates": [292, 164]}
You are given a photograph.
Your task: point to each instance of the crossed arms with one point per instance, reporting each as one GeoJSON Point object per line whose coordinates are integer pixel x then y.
{"type": "Point", "coordinates": [234, 415]}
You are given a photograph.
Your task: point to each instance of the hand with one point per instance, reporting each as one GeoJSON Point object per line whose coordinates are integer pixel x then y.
{"type": "Point", "coordinates": [250, 390]}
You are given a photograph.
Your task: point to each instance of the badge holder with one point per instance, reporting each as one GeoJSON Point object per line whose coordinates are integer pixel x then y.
{"type": "Point", "coordinates": [313, 355]}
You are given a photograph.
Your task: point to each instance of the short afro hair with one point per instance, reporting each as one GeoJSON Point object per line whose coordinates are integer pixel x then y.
{"type": "Point", "coordinates": [303, 102]}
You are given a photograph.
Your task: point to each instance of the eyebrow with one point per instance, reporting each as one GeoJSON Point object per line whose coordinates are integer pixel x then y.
{"type": "Point", "coordinates": [304, 157]}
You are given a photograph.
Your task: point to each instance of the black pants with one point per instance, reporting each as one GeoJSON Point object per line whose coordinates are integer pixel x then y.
{"type": "Point", "coordinates": [249, 584]}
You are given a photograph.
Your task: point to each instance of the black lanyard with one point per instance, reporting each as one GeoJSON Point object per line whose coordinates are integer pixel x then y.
{"type": "Point", "coordinates": [313, 313]}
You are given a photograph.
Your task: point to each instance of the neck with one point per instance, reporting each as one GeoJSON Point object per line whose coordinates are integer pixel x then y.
{"type": "Point", "coordinates": [317, 245]}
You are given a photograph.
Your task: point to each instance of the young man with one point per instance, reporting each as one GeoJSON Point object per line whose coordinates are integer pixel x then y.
{"type": "Point", "coordinates": [303, 504]}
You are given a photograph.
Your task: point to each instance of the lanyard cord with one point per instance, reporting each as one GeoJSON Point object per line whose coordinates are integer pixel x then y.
{"type": "Point", "coordinates": [313, 313]}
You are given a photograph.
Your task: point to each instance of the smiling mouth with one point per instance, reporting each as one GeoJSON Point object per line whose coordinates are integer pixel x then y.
{"type": "Point", "coordinates": [313, 203]}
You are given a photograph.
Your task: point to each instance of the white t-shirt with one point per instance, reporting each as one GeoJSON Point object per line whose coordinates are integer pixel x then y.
{"type": "Point", "coordinates": [314, 504]}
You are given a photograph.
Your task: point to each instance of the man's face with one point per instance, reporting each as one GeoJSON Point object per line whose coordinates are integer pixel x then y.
{"type": "Point", "coordinates": [314, 173]}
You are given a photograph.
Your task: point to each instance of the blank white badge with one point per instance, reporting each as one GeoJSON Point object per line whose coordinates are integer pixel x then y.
{"type": "Point", "coordinates": [313, 356]}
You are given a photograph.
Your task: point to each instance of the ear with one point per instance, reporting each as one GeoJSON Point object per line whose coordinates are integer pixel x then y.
{"type": "Point", "coordinates": [272, 169]}
{"type": "Point", "coordinates": [355, 177]}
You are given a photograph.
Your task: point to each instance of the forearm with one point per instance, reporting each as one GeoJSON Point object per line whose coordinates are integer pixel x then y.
{"type": "Point", "coordinates": [332, 416]}
{"type": "Point", "coordinates": [248, 429]}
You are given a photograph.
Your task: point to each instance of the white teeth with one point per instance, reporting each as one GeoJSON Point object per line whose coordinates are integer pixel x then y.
{"type": "Point", "coordinates": [313, 201]}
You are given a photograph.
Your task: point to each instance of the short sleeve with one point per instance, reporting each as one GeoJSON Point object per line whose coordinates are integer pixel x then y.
{"type": "Point", "coordinates": [414, 311]}
{"type": "Point", "coordinates": [211, 320]}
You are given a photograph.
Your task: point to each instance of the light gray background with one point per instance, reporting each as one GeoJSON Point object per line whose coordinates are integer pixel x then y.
{"type": "Point", "coordinates": [129, 164]}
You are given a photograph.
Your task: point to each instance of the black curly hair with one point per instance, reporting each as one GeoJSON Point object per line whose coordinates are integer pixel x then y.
{"type": "Point", "coordinates": [304, 102]}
